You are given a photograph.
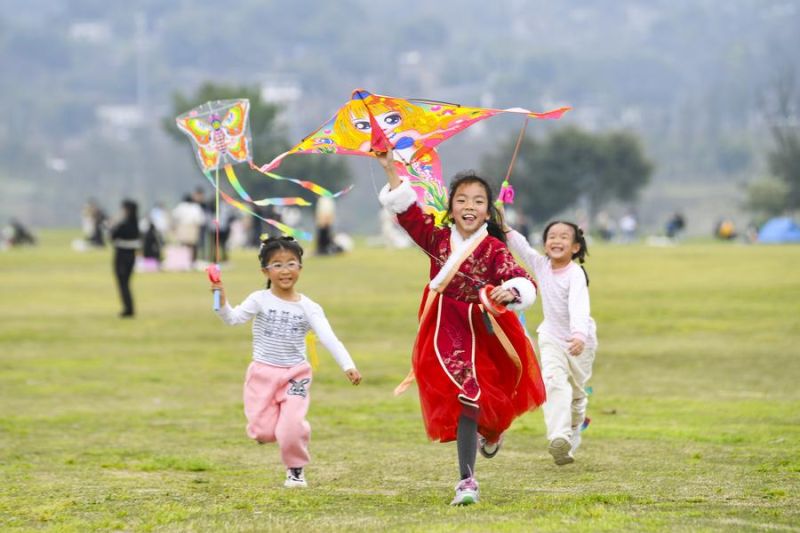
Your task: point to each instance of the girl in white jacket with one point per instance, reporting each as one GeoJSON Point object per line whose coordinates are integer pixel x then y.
{"type": "Point", "coordinates": [567, 335]}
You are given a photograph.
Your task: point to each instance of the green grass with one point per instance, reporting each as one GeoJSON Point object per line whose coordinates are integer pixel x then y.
{"type": "Point", "coordinates": [137, 425]}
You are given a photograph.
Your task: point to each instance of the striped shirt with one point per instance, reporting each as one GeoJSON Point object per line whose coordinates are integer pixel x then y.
{"type": "Point", "coordinates": [565, 295]}
{"type": "Point", "coordinates": [280, 327]}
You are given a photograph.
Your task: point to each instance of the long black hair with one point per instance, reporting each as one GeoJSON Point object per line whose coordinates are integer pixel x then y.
{"type": "Point", "coordinates": [577, 237]}
{"type": "Point", "coordinates": [271, 245]}
{"type": "Point", "coordinates": [495, 223]}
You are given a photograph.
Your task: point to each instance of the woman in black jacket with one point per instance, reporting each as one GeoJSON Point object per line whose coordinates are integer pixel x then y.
{"type": "Point", "coordinates": [126, 238]}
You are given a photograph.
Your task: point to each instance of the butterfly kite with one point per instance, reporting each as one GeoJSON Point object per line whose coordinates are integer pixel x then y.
{"type": "Point", "coordinates": [411, 129]}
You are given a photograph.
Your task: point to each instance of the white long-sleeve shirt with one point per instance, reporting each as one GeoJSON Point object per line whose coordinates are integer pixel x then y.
{"type": "Point", "coordinates": [280, 327]}
{"type": "Point", "coordinates": [565, 295]}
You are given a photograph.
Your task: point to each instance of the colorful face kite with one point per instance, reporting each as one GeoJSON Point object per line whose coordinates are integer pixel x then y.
{"type": "Point", "coordinates": [412, 129]}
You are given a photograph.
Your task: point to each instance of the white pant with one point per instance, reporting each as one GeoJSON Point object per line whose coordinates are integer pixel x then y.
{"type": "Point", "coordinates": [565, 377]}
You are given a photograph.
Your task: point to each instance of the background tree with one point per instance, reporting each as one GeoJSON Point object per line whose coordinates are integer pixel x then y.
{"type": "Point", "coordinates": [269, 139]}
{"type": "Point", "coordinates": [784, 118]}
{"type": "Point", "coordinates": [572, 167]}
{"type": "Point", "coordinates": [766, 198]}
{"type": "Point", "coordinates": [542, 190]}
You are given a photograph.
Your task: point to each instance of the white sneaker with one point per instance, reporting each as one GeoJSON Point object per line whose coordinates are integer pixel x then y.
{"type": "Point", "coordinates": [293, 481]}
{"type": "Point", "coordinates": [561, 450]}
{"type": "Point", "coordinates": [489, 450]}
{"type": "Point", "coordinates": [466, 492]}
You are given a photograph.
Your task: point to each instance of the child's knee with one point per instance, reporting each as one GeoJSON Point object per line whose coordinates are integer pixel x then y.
{"type": "Point", "coordinates": [260, 433]}
{"type": "Point", "coordinates": [554, 377]}
{"type": "Point", "coordinates": [294, 432]}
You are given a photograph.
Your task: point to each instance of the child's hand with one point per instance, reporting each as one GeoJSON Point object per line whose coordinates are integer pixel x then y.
{"type": "Point", "coordinates": [576, 346]}
{"type": "Point", "coordinates": [385, 159]}
{"type": "Point", "coordinates": [354, 376]}
{"type": "Point", "coordinates": [502, 296]}
{"type": "Point", "coordinates": [218, 287]}
{"type": "Point", "coordinates": [502, 210]}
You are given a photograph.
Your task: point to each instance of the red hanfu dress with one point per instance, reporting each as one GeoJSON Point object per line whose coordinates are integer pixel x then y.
{"type": "Point", "coordinates": [456, 360]}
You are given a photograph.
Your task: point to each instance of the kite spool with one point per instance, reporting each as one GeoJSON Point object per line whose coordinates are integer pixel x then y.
{"type": "Point", "coordinates": [214, 277]}
{"type": "Point", "coordinates": [489, 304]}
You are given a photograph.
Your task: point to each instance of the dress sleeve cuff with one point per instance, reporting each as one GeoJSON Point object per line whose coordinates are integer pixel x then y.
{"type": "Point", "coordinates": [397, 200]}
{"type": "Point", "coordinates": [526, 290]}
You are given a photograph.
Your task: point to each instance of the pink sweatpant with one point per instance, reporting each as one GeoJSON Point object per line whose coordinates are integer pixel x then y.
{"type": "Point", "coordinates": [275, 404]}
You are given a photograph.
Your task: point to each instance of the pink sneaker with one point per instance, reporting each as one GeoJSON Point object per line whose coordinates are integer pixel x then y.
{"type": "Point", "coordinates": [466, 492]}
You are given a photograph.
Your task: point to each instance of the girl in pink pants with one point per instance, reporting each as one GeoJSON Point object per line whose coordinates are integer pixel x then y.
{"type": "Point", "coordinates": [278, 381]}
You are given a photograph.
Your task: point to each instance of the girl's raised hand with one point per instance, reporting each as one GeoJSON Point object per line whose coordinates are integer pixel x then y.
{"type": "Point", "coordinates": [354, 376]}
{"type": "Point", "coordinates": [502, 210]}
{"type": "Point", "coordinates": [384, 158]}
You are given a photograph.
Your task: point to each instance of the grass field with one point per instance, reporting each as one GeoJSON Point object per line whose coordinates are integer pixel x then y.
{"type": "Point", "coordinates": [137, 425]}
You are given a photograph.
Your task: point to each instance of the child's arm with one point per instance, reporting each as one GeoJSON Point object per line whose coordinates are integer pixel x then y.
{"type": "Point", "coordinates": [321, 326]}
{"type": "Point", "coordinates": [241, 313]}
{"type": "Point", "coordinates": [510, 278]}
{"type": "Point", "coordinates": [217, 286]}
{"type": "Point", "coordinates": [399, 198]}
{"type": "Point", "coordinates": [579, 312]}
{"type": "Point", "coordinates": [519, 245]}
{"type": "Point", "coordinates": [386, 159]}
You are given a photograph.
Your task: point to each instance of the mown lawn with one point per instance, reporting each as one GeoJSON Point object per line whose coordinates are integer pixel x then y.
{"type": "Point", "coordinates": [137, 425]}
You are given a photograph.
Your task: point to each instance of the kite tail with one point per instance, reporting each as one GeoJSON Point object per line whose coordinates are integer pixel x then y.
{"type": "Point", "coordinates": [283, 228]}
{"type": "Point", "coordinates": [237, 186]}
{"type": "Point", "coordinates": [309, 185]}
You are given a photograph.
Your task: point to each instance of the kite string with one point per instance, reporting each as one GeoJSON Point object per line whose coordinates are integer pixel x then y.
{"type": "Point", "coordinates": [516, 149]}
{"type": "Point", "coordinates": [216, 214]}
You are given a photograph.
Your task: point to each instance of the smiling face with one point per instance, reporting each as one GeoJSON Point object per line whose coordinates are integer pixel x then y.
{"type": "Point", "coordinates": [469, 208]}
{"type": "Point", "coordinates": [560, 243]}
{"type": "Point", "coordinates": [283, 270]}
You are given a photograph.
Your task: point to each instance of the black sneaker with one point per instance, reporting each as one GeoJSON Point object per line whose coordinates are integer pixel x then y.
{"type": "Point", "coordinates": [294, 481]}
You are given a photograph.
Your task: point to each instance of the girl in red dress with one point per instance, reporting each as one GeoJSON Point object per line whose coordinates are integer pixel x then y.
{"type": "Point", "coordinates": [476, 371]}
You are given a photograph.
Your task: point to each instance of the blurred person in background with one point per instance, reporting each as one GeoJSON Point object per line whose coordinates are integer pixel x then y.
{"type": "Point", "coordinates": [675, 225]}
{"type": "Point", "coordinates": [126, 238]}
{"type": "Point", "coordinates": [94, 223]}
{"type": "Point", "coordinates": [188, 218]}
{"type": "Point", "coordinates": [325, 216]}
{"type": "Point", "coordinates": [16, 234]}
